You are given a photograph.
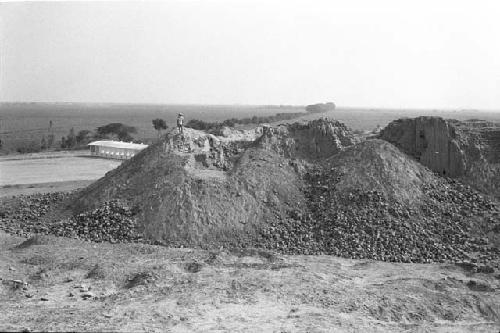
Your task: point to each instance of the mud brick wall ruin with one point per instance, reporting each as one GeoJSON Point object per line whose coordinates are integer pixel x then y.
{"type": "Point", "coordinates": [468, 150]}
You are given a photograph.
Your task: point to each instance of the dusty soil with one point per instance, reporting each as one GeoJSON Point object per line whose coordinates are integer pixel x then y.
{"type": "Point", "coordinates": [46, 172]}
{"type": "Point", "coordinates": [45, 154]}
{"type": "Point", "coordinates": [73, 285]}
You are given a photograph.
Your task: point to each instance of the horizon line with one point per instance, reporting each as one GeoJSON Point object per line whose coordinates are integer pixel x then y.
{"type": "Point", "coordinates": [258, 105]}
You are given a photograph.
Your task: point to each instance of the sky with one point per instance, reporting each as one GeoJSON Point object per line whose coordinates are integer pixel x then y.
{"type": "Point", "coordinates": [384, 53]}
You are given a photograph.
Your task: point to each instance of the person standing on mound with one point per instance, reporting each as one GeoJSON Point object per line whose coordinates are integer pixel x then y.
{"type": "Point", "coordinates": [180, 123]}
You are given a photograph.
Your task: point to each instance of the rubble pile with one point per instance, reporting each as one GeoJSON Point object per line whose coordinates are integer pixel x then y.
{"type": "Point", "coordinates": [21, 214]}
{"type": "Point", "coordinates": [369, 225]}
{"type": "Point", "coordinates": [112, 222]}
{"type": "Point", "coordinates": [357, 223]}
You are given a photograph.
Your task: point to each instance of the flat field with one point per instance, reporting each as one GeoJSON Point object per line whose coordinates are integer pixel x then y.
{"type": "Point", "coordinates": [47, 172]}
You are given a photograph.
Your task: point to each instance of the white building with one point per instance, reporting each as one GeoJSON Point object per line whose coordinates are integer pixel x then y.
{"type": "Point", "coordinates": [115, 149]}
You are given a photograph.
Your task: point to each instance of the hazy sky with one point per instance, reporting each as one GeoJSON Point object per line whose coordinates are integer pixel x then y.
{"type": "Point", "coordinates": [415, 54]}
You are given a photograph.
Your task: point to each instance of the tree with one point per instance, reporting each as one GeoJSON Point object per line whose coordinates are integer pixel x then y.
{"type": "Point", "coordinates": [43, 143]}
{"type": "Point", "coordinates": [120, 131]}
{"type": "Point", "coordinates": [320, 107]}
{"type": "Point", "coordinates": [50, 140]}
{"type": "Point", "coordinates": [159, 125]}
{"type": "Point", "coordinates": [83, 137]}
{"type": "Point", "coordinates": [71, 138]}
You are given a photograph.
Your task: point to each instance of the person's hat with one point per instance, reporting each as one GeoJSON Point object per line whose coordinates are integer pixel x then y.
{"type": "Point", "coordinates": [180, 114]}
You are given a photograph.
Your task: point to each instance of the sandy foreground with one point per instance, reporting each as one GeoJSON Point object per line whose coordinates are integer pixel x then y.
{"type": "Point", "coordinates": [70, 285]}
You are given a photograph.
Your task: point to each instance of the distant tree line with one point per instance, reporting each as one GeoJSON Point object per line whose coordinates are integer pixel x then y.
{"type": "Point", "coordinates": [73, 140]}
{"type": "Point", "coordinates": [76, 140]}
{"type": "Point", "coordinates": [320, 107]}
{"type": "Point", "coordinates": [215, 126]}
{"type": "Point", "coordinates": [112, 131]}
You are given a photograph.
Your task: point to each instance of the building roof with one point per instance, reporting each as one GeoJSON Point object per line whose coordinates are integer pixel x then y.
{"type": "Point", "coordinates": [118, 144]}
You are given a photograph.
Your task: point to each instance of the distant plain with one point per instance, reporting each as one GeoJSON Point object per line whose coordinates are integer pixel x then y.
{"type": "Point", "coordinates": [24, 122]}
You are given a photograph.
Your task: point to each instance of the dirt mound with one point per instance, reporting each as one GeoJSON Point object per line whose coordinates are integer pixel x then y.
{"type": "Point", "coordinates": [371, 201]}
{"type": "Point", "coordinates": [111, 222]}
{"type": "Point", "coordinates": [375, 165]}
{"type": "Point", "coordinates": [365, 200]}
{"type": "Point", "coordinates": [199, 190]}
{"type": "Point", "coordinates": [180, 203]}
{"type": "Point", "coordinates": [466, 150]}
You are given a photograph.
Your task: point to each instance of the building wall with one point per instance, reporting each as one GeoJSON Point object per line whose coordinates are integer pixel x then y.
{"type": "Point", "coordinates": [115, 153]}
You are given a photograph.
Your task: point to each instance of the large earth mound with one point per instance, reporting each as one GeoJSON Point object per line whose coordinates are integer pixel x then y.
{"type": "Point", "coordinates": [178, 204]}
{"type": "Point", "coordinates": [196, 190]}
{"type": "Point", "coordinates": [298, 189]}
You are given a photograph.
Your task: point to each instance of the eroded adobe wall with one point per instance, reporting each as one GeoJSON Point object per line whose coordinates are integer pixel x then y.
{"type": "Point", "coordinates": [468, 150]}
{"type": "Point", "coordinates": [431, 140]}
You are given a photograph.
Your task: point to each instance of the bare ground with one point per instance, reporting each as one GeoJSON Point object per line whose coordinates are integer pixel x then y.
{"type": "Point", "coordinates": [27, 189]}
{"type": "Point", "coordinates": [50, 172]}
{"type": "Point", "coordinates": [138, 287]}
{"type": "Point", "coordinates": [53, 167]}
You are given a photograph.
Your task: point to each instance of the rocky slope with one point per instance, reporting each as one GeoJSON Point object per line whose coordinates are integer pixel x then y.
{"type": "Point", "coordinates": [469, 150]}
{"type": "Point", "coordinates": [371, 201]}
